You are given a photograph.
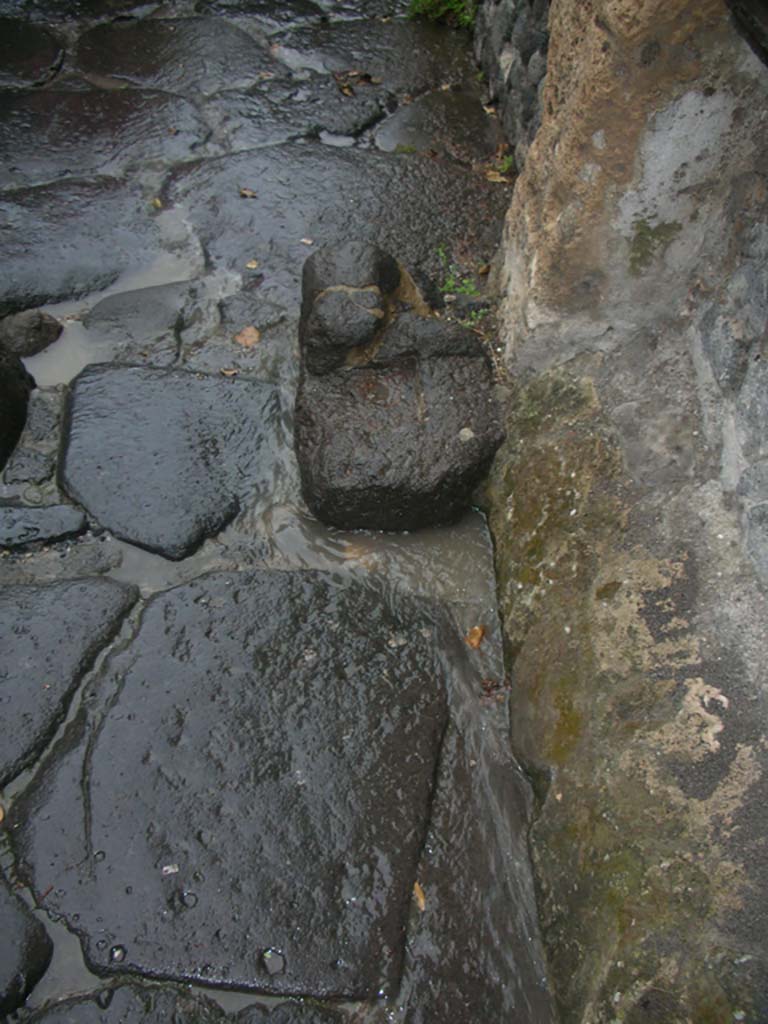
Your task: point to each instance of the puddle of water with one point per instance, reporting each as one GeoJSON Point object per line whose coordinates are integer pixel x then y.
{"type": "Point", "coordinates": [76, 347]}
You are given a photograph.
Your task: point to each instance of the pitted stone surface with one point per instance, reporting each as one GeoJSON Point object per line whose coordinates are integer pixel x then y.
{"type": "Point", "coordinates": [20, 526]}
{"type": "Point", "coordinates": [162, 457]}
{"type": "Point", "coordinates": [253, 777]}
{"type": "Point", "coordinates": [185, 55]}
{"type": "Point", "coordinates": [28, 55]}
{"type": "Point", "coordinates": [25, 950]}
{"type": "Point", "coordinates": [50, 636]}
{"type": "Point", "coordinates": [47, 226]}
{"type": "Point", "coordinates": [92, 131]}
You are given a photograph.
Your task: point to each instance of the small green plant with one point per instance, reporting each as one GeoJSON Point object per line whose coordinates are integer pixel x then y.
{"type": "Point", "coordinates": [506, 164]}
{"type": "Point", "coordinates": [454, 12]}
{"type": "Point", "coordinates": [475, 318]}
{"type": "Point", "coordinates": [453, 283]}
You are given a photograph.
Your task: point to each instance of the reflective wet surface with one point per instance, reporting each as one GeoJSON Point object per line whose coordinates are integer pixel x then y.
{"type": "Point", "coordinates": [286, 749]}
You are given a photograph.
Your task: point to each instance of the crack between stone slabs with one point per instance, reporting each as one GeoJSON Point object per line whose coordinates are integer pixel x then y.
{"type": "Point", "coordinates": [82, 675]}
{"type": "Point", "coordinates": [127, 623]}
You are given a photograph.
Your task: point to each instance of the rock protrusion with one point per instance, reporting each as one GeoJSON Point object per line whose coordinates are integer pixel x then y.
{"type": "Point", "coordinates": [25, 950]}
{"type": "Point", "coordinates": [15, 386]}
{"type": "Point", "coordinates": [25, 334]}
{"type": "Point", "coordinates": [396, 418]}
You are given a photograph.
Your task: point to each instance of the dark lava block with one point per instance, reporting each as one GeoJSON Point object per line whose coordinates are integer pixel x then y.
{"type": "Point", "coordinates": [15, 386]}
{"type": "Point", "coordinates": [249, 781]}
{"type": "Point", "coordinates": [396, 420]}
{"type": "Point", "coordinates": [162, 457]}
{"type": "Point", "coordinates": [133, 1004]}
{"type": "Point", "coordinates": [91, 131]}
{"type": "Point", "coordinates": [185, 55]}
{"type": "Point", "coordinates": [29, 55]}
{"type": "Point", "coordinates": [25, 334]}
{"type": "Point", "coordinates": [21, 526]}
{"type": "Point", "coordinates": [25, 950]}
{"type": "Point", "coordinates": [64, 240]}
{"type": "Point", "coordinates": [49, 636]}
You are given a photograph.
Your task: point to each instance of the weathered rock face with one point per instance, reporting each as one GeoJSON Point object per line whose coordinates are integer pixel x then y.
{"type": "Point", "coordinates": [628, 510]}
{"type": "Point", "coordinates": [162, 457]}
{"type": "Point", "coordinates": [25, 950]}
{"type": "Point", "coordinates": [511, 39]}
{"type": "Point", "coordinates": [257, 787]}
{"type": "Point", "coordinates": [50, 636]}
{"type": "Point", "coordinates": [396, 420]}
{"type": "Point", "coordinates": [15, 387]}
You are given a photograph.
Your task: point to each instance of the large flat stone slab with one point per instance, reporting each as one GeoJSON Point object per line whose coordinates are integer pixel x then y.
{"type": "Point", "coordinates": [25, 950]}
{"type": "Point", "coordinates": [94, 131]}
{"type": "Point", "coordinates": [184, 55]}
{"type": "Point", "coordinates": [63, 240]}
{"type": "Point", "coordinates": [49, 637]}
{"type": "Point", "coordinates": [408, 58]}
{"type": "Point", "coordinates": [409, 205]}
{"type": "Point", "coordinates": [244, 798]}
{"type": "Point", "coordinates": [162, 457]}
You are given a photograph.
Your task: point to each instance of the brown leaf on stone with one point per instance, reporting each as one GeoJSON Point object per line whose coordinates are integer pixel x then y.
{"type": "Point", "coordinates": [306, 241]}
{"type": "Point", "coordinates": [497, 177]}
{"type": "Point", "coordinates": [229, 372]}
{"type": "Point", "coordinates": [248, 337]}
{"type": "Point", "coordinates": [247, 193]}
{"type": "Point", "coordinates": [252, 265]}
{"type": "Point", "coordinates": [420, 897]}
{"type": "Point", "coordinates": [475, 636]}
{"type": "Point", "coordinates": [485, 269]}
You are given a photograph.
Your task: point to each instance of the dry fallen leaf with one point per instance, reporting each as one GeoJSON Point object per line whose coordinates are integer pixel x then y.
{"type": "Point", "coordinates": [248, 337]}
{"type": "Point", "coordinates": [306, 241]}
{"type": "Point", "coordinates": [496, 176]}
{"type": "Point", "coordinates": [229, 373]}
{"type": "Point", "coordinates": [485, 269]}
{"type": "Point", "coordinates": [475, 636]}
{"type": "Point", "coordinates": [247, 193]}
{"type": "Point", "coordinates": [157, 203]}
{"type": "Point", "coordinates": [419, 896]}
{"type": "Point", "coordinates": [2, 815]}
{"type": "Point", "coordinates": [252, 265]}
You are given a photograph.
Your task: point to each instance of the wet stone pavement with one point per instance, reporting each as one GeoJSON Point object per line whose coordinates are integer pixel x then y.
{"type": "Point", "coordinates": [251, 769]}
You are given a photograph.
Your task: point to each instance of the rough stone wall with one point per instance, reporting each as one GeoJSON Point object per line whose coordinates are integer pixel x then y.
{"type": "Point", "coordinates": [630, 510]}
{"type": "Point", "coordinates": [511, 38]}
